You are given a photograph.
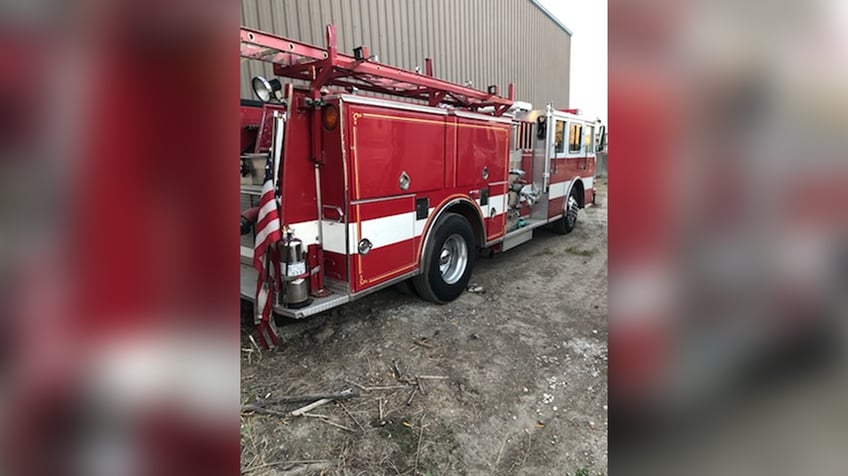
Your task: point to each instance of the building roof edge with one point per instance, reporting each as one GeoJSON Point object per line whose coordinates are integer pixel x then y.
{"type": "Point", "coordinates": [552, 17]}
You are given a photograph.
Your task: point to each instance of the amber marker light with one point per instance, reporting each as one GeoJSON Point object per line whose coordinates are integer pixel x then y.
{"type": "Point", "coordinates": [330, 116]}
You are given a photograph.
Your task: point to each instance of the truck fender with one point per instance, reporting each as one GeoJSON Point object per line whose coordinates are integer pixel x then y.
{"type": "Point", "coordinates": [464, 205]}
{"type": "Point", "coordinates": [576, 181]}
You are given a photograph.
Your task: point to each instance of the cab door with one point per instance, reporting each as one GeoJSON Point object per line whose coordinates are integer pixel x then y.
{"type": "Point", "coordinates": [558, 175]}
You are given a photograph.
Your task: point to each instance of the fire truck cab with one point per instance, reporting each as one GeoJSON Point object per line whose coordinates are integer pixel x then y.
{"type": "Point", "coordinates": [409, 188]}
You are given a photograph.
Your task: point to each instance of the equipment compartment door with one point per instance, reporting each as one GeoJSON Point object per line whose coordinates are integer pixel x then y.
{"type": "Point", "coordinates": [385, 240]}
{"type": "Point", "coordinates": [395, 152]}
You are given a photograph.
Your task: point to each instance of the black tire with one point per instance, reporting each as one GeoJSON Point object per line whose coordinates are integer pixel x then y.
{"type": "Point", "coordinates": [566, 224]}
{"type": "Point", "coordinates": [450, 234]}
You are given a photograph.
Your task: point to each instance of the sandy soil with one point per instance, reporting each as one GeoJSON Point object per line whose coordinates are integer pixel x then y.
{"type": "Point", "coordinates": [525, 367]}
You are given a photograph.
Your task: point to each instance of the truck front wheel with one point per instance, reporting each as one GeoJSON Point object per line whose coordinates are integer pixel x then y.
{"type": "Point", "coordinates": [566, 224]}
{"type": "Point", "coordinates": [447, 261]}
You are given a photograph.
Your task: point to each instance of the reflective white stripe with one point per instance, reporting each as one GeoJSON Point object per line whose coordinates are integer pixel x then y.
{"type": "Point", "coordinates": [497, 203]}
{"type": "Point", "coordinates": [390, 229]}
{"type": "Point", "coordinates": [419, 224]}
{"type": "Point", "coordinates": [353, 239]}
{"type": "Point", "coordinates": [557, 190]}
{"type": "Point", "coordinates": [382, 231]}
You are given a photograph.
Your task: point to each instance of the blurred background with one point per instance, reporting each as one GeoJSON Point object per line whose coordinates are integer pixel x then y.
{"type": "Point", "coordinates": [120, 354]}
{"type": "Point", "coordinates": [728, 186]}
{"type": "Point", "coordinates": [728, 236]}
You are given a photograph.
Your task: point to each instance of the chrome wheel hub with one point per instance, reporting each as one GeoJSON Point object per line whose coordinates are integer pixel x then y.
{"type": "Point", "coordinates": [571, 213]}
{"type": "Point", "coordinates": [453, 259]}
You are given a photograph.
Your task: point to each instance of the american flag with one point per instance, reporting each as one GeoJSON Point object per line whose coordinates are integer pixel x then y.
{"type": "Point", "coordinates": [265, 252]}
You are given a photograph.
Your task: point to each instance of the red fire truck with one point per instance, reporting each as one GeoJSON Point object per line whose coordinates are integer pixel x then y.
{"type": "Point", "coordinates": [405, 186]}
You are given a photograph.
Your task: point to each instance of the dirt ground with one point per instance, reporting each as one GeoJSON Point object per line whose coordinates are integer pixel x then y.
{"type": "Point", "coordinates": [524, 367]}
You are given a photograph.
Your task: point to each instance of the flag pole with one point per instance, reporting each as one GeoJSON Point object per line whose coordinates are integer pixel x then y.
{"type": "Point", "coordinates": [267, 240]}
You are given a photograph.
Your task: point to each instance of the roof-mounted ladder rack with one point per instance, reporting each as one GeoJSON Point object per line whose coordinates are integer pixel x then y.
{"type": "Point", "coordinates": [323, 67]}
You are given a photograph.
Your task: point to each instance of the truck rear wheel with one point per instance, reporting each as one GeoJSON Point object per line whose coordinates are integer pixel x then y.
{"type": "Point", "coordinates": [447, 261]}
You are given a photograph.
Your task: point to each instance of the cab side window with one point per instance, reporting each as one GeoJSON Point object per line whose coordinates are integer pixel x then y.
{"type": "Point", "coordinates": [589, 139]}
{"type": "Point", "coordinates": [559, 137]}
{"type": "Point", "coordinates": [575, 137]}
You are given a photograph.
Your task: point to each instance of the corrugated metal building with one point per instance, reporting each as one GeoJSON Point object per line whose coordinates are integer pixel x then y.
{"type": "Point", "coordinates": [482, 41]}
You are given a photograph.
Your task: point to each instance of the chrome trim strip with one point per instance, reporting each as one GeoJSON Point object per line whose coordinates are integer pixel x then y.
{"type": "Point", "coordinates": [348, 258]}
{"type": "Point", "coordinates": [383, 199]}
{"type": "Point", "coordinates": [527, 228]}
{"type": "Point", "coordinates": [404, 106]}
{"type": "Point", "coordinates": [439, 214]}
{"type": "Point", "coordinates": [474, 115]}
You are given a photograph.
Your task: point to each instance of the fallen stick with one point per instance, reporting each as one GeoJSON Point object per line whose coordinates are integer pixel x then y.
{"type": "Point", "coordinates": [255, 345]}
{"type": "Point", "coordinates": [500, 451]}
{"type": "Point", "coordinates": [529, 444]}
{"type": "Point", "coordinates": [432, 377]}
{"type": "Point", "coordinates": [398, 373]}
{"type": "Point", "coordinates": [388, 387]}
{"type": "Point", "coordinates": [255, 409]}
{"type": "Point", "coordinates": [369, 389]}
{"type": "Point", "coordinates": [418, 450]}
{"type": "Point", "coordinates": [300, 411]}
{"type": "Point", "coordinates": [316, 415]}
{"type": "Point", "coordinates": [422, 344]}
{"type": "Point", "coordinates": [412, 395]}
{"type": "Point", "coordinates": [343, 395]}
{"type": "Point", "coordinates": [312, 468]}
{"type": "Point", "coordinates": [351, 416]}
{"type": "Point", "coordinates": [327, 420]}
{"type": "Point", "coordinates": [281, 463]}
{"type": "Point", "coordinates": [357, 385]}
{"type": "Point", "coordinates": [526, 452]}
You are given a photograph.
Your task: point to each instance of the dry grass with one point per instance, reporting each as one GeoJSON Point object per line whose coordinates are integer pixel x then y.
{"type": "Point", "coordinates": [391, 443]}
{"type": "Point", "coordinates": [576, 251]}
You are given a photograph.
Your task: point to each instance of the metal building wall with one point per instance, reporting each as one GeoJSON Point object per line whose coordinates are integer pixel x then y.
{"type": "Point", "coordinates": [484, 41]}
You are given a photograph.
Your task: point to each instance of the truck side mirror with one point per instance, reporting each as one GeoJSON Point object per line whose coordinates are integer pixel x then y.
{"type": "Point", "coordinates": [541, 127]}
